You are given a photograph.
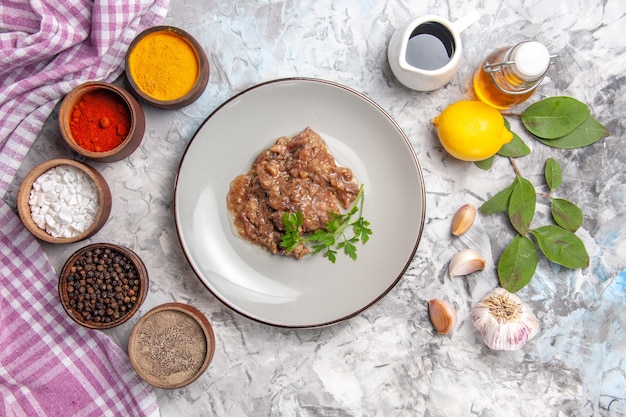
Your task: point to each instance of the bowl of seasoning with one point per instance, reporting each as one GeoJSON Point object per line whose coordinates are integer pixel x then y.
{"type": "Point", "coordinates": [171, 345]}
{"type": "Point", "coordinates": [102, 121]}
{"type": "Point", "coordinates": [167, 67]}
{"type": "Point", "coordinates": [63, 201]}
{"type": "Point", "coordinates": [102, 285]}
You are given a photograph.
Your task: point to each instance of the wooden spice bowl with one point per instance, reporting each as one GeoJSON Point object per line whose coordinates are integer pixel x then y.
{"type": "Point", "coordinates": [24, 201]}
{"type": "Point", "coordinates": [165, 91]}
{"type": "Point", "coordinates": [102, 285]}
{"type": "Point", "coordinates": [171, 345]}
{"type": "Point", "coordinates": [135, 129]}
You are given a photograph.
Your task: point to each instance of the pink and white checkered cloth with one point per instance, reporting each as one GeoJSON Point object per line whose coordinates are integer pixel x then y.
{"type": "Point", "coordinates": [50, 366]}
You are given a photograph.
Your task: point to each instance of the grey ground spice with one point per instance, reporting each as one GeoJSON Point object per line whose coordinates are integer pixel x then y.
{"type": "Point", "coordinates": [171, 345]}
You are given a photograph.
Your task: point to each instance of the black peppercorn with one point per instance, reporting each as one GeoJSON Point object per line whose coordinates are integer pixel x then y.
{"type": "Point", "coordinates": [98, 289]}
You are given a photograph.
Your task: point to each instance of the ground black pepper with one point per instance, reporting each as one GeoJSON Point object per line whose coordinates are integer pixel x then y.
{"type": "Point", "coordinates": [103, 285]}
{"type": "Point", "coordinates": [170, 346]}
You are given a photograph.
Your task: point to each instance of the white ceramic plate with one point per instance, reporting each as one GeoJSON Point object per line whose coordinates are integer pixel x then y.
{"type": "Point", "coordinates": [280, 290]}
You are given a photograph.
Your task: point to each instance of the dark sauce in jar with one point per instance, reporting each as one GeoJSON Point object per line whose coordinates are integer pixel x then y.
{"type": "Point", "coordinates": [430, 47]}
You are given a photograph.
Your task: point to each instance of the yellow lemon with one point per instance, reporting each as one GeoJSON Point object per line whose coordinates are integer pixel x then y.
{"type": "Point", "coordinates": [471, 130]}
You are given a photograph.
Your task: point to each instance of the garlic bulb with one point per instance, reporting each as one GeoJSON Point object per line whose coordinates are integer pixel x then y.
{"type": "Point", "coordinates": [465, 262]}
{"type": "Point", "coordinates": [504, 320]}
{"type": "Point", "coordinates": [442, 315]}
{"type": "Point", "coordinates": [463, 219]}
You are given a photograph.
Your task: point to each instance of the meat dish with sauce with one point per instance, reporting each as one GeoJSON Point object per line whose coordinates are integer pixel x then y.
{"type": "Point", "coordinates": [294, 174]}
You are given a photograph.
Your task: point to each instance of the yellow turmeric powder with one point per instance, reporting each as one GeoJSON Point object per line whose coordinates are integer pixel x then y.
{"type": "Point", "coordinates": [164, 65]}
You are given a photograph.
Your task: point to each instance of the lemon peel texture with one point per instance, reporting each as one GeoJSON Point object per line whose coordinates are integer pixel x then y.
{"type": "Point", "coordinates": [471, 130]}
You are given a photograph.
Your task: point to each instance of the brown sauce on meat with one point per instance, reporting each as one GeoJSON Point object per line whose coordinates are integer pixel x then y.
{"type": "Point", "coordinates": [295, 174]}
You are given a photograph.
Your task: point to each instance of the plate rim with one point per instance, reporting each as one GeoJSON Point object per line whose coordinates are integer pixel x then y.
{"type": "Point", "coordinates": [418, 237]}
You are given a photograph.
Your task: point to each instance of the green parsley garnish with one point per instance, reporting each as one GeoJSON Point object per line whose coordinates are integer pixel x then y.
{"type": "Point", "coordinates": [334, 236]}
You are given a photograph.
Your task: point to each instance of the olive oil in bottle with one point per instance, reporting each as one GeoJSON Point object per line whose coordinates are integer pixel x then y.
{"type": "Point", "coordinates": [509, 76]}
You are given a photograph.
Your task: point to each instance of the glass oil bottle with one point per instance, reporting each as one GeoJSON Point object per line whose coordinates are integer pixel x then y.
{"type": "Point", "coordinates": [509, 76]}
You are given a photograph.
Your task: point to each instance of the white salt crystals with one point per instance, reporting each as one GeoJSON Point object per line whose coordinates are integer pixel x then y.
{"type": "Point", "coordinates": [64, 201]}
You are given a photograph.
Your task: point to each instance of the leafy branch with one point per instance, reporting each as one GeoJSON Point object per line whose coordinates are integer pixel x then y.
{"type": "Point", "coordinates": [334, 236]}
{"type": "Point", "coordinates": [559, 122]}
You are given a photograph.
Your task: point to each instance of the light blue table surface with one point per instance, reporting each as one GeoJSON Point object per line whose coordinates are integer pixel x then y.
{"type": "Point", "coordinates": [387, 361]}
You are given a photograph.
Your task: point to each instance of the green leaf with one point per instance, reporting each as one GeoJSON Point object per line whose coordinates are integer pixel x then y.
{"type": "Point", "coordinates": [589, 132]}
{"type": "Point", "coordinates": [554, 117]}
{"type": "Point", "coordinates": [331, 255]}
{"type": "Point", "coordinates": [561, 246]}
{"type": "Point", "coordinates": [554, 176]}
{"type": "Point", "coordinates": [318, 247]}
{"type": "Point", "coordinates": [326, 239]}
{"type": "Point", "coordinates": [522, 205]}
{"type": "Point", "coordinates": [515, 148]}
{"type": "Point", "coordinates": [362, 230]}
{"type": "Point", "coordinates": [566, 214]}
{"type": "Point", "coordinates": [350, 250]}
{"type": "Point", "coordinates": [332, 225]}
{"type": "Point", "coordinates": [292, 238]}
{"type": "Point", "coordinates": [517, 264]}
{"type": "Point", "coordinates": [485, 164]}
{"type": "Point", "coordinates": [499, 202]}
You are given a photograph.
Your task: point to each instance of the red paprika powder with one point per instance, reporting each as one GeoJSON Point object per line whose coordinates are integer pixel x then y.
{"type": "Point", "coordinates": [100, 121]}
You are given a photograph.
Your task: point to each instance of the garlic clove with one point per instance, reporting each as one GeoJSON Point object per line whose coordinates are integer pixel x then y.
{"type": "Point", "coordinates": [442, 315]}
{"type": "Point", "coordinates": [504, 320]}
{"type": "Point", "coordinates": [465, 262]}
{"type": "Point", "coordinates": [463, 219]}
